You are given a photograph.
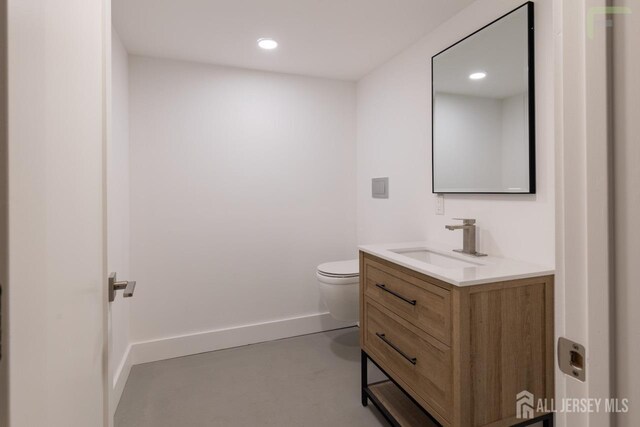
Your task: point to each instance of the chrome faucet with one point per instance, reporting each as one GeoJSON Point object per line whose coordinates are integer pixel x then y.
{"type": "Point", "coordinates": [469, 236]}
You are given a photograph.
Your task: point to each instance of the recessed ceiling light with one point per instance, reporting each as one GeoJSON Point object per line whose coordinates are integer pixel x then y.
{"type": "Point", "coordinates": [267, 44]}
{"type": "Point", "coordinates": [477, 76]}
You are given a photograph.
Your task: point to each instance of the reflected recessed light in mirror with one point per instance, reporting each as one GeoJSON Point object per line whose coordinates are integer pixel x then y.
{"type": "Point", "coordinates": [268, 44]}
{"type": "Point", "coordinates": [477, 76]}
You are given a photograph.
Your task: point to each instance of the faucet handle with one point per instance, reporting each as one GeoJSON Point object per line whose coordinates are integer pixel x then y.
{"type": "Point", "coordinates": [466, 221]}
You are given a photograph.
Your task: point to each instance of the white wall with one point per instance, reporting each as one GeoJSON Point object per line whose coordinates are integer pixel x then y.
{"type": "Point", "coordinates": [627, 207]}
{"type": "Point", "coordinates": [394, 139]}
{"type": "Point", "coordinates": [242, 182]}
{"type": "Point", "coordinates": [118, 212]}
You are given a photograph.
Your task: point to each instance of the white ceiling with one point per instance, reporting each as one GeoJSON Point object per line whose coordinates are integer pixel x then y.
{"type": "Point", "coordinates": [342, 39]}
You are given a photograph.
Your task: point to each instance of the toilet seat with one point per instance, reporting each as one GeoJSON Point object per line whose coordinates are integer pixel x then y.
{"type": "Point", "coordinates": [340, 269]}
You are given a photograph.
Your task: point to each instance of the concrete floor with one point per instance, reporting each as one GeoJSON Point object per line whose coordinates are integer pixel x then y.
{"type": "Point", "coordinates": [308, 381]}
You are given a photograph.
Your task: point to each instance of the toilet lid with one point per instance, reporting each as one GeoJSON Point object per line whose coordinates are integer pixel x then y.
{"type": "Point", "coordinates": [349, 268]}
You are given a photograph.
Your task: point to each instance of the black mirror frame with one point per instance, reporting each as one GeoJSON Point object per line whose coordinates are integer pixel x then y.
{"type": "Point", "coordinates": [531, 106]}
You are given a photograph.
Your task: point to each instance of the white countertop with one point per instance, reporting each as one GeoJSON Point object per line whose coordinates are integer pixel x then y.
{"type": "Point", "coordinates": [487, 269]}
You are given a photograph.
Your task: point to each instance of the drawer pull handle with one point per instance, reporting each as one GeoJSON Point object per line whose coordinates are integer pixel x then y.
{"type": "Point", "coordinates": [395, 294]}
{"type": "Point", "coordinates": [411, 360]}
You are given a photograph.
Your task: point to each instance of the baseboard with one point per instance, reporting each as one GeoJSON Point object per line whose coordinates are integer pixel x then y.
{"type": "Point", "coordinates": [185, 345]}
{"type": "Point", "coordinates": [120, 379]}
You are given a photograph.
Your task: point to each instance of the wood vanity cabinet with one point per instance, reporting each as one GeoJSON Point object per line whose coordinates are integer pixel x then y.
{"type": "Point", "coordinates": [461, 353]}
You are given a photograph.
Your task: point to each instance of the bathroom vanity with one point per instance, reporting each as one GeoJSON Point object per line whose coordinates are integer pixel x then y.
{"type": "Point", "coordinates": [459, 337]}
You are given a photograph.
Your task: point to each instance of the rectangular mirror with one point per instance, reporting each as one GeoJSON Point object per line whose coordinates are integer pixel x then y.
{"type": "Point", "coordinates": [483, 134]}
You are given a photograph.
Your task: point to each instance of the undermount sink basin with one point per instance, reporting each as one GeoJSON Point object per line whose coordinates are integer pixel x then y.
{"type": "Point", "coordinates": [443, 263]}
{"type": "Point", "coordinates": [434, 258]}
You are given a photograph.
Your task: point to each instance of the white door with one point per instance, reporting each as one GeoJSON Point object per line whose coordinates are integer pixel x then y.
{"type": "Point", "coordinates": [626, 119]}
{"type": "Point", "coordinates": [3, 221]}
{"type": "Point", "coordinates": [117, 160]}
{"type": "Point", "coordinates": [584, 286]}
{"type": "Point", "coordinates": [57, 292]}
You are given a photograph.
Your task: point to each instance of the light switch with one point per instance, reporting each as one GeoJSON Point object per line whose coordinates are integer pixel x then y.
{"type": "Point", "coordinates": [380, 188]}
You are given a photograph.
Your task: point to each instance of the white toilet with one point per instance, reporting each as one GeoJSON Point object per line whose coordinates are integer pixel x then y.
{"type": "Point", "coordinates": [339, 288]}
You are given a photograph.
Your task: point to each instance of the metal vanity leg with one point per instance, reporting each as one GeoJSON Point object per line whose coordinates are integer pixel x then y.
{"type": "Point", "coordinates": [364, 377]}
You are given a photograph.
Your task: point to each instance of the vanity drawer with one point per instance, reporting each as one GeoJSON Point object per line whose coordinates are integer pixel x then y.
{"type": "Point", "coordinates": [425, 305]}
{"type": "Point", "coordinates": [409, 355]}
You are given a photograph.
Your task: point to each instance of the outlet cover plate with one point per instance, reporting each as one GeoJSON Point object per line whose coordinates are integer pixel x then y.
{"type": "Point", "coordinates": [440, 204]}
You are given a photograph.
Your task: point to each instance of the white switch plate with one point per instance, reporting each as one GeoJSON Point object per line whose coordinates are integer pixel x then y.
{"type": "Point", "coordinates": [439, 204]}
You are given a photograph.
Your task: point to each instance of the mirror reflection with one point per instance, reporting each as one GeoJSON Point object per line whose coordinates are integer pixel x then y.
{"type": "Point", "coordinates": [482, 110]}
